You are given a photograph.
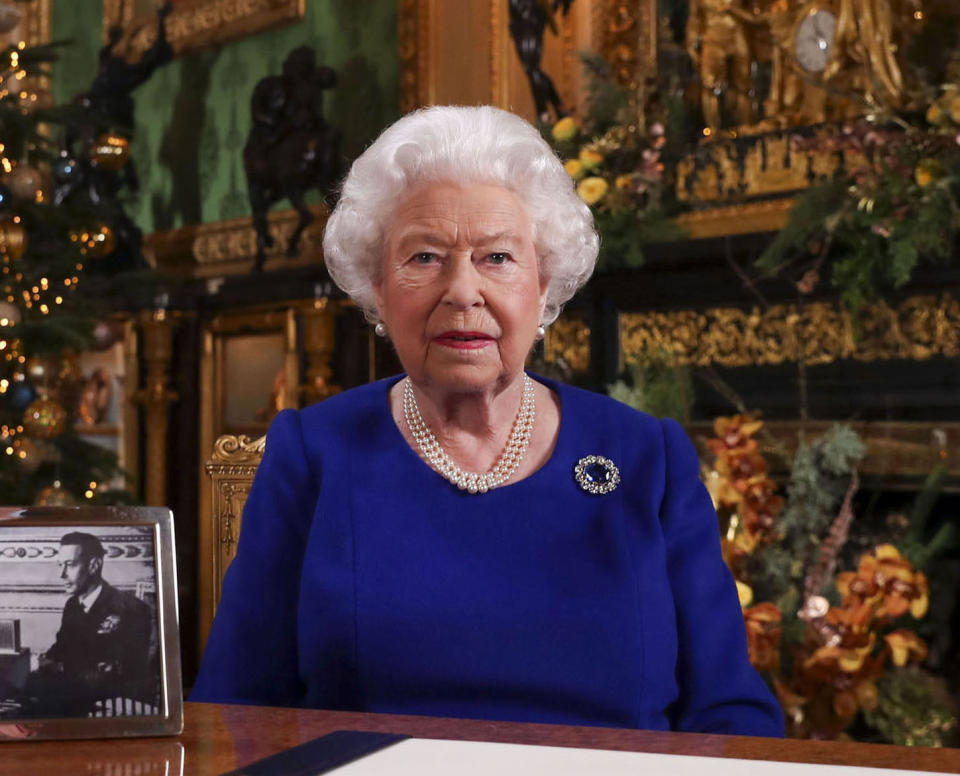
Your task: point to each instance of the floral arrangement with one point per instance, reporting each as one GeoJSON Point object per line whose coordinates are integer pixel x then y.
{"type": "Point", "coordinates": [896, 202]}
{"type": "Point", "coordinates": [618, 168]}
{"type": "Point", "coordinates": [829, 643]}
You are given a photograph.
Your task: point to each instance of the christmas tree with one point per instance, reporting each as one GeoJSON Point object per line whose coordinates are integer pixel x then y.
{"type": "Point", "coordinates": [55, 299]}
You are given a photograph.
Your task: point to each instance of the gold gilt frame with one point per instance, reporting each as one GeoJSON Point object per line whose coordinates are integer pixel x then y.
{"type": "Point", "coordinates": [200, 24]}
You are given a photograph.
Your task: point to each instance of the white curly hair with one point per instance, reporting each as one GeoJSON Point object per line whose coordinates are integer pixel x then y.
{"type": "Point", "coordinates": [460, 145]}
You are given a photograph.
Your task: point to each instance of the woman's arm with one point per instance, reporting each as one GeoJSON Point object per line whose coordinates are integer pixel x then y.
{"type": "Point", "coordinates": [251, 655]}
{"type": "Point", "coordinates": [720, 692]}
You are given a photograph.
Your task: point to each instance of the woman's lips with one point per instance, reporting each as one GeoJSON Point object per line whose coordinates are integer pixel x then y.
{"type": "Point", "coordinates": [464, 340]}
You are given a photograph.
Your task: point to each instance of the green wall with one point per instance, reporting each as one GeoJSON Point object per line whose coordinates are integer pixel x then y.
{"type": "Point", "coordinates": [193, 115]}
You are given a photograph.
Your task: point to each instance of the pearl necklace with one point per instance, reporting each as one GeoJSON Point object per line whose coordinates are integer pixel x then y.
{"type": "Point", "coordinates": [437, 457]}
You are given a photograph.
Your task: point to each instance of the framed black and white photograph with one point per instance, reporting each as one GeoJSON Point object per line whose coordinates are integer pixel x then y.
{"type": "Point", "coordinates": [89, 639]}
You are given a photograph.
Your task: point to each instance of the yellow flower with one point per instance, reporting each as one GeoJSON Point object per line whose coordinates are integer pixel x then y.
{"type": "Point", "coordinates": [745, 594]}
{"type": "Point", "coordinates": [954, 108]}
{"type": "Point", "coordinates": [592, 190]}
{"type": "Point", "coordinates": [903, 644]}
{"type": "Point", "coordinates": [934, 113]}
{"type": "Point", "coordinates": [574, 169]}
{"type": "Point", "coordinates": [926, 172]}
{"type": "Point", "coordinates": [623, 182]}
{"type": "Point", "coordinates": [590, 158]}
{"type": "Point", "coordinates": [565, 129]}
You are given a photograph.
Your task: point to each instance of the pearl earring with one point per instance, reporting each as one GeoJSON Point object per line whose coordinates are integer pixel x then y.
{"type": "Point", "coordinates": [380, 330]}
{"type": "Point", "coordinates": [541, 331]}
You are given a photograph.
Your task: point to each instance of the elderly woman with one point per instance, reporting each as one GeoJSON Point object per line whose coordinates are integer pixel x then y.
{"type": "Point", "coordinates": [467, 539]}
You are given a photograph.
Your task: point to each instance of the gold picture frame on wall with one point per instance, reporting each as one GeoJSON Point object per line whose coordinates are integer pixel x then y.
{"type": "Point", "coordinates": [194, 25]}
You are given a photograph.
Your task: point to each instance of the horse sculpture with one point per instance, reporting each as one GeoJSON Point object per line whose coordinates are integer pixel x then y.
{"type": "Point", "coordinates": [291, 149]}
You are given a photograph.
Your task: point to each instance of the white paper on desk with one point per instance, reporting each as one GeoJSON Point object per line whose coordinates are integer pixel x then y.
{"type": "Point", "coordinates": [426, 757]}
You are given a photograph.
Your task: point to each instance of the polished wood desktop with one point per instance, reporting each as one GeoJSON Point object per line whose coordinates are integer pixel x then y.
{"type": "Point", "coordinates": [221, 738]}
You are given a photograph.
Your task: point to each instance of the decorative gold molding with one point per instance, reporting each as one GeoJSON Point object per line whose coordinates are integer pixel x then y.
{"type": "Point", "coordinates": [409, 26]}
{"type": "Point", "coordinates": [37, 21]}
{"type": "Point", "coordinates": [155, 397]}
{"type": "Point", "coordinates": [228, 247]}
{"type": "Point", "coordinates": [231, 450]}
{"type": "Point", "coordinates": [568, 339]}
{"type": "Point", "coordinates": [918, 328]}
{"type": "Point", "coordinates": [201, 24]}
{"type": "Point", "coordinates": [768, 216]}
{"type": "Point", "coordinates": [230, 474]}
{"type": "Point", "coordinates": [898, 450]}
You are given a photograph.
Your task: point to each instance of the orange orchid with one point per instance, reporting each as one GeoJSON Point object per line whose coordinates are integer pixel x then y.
{"type": "Point", "coordinates": [763, 636]}
{"type": "Point", "coordinates": [905, 645]}
{"type": "Point", "coordinates": [885, 582]}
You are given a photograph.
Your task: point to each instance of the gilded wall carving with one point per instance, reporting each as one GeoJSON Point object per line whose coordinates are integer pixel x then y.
{"type": "Point", "coordinates": [918, 328]}
{"type": "Point", "coordinates": [198, 25]}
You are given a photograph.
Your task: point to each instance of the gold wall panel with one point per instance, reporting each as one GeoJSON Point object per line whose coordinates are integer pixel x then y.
{"type": "Point", "coordinates": [918, 328]}
{"type": "Point", "coordinates": [200, 24]}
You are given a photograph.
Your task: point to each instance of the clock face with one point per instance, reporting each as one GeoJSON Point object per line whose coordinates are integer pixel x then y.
{"type": "Point", "coordinates": [814, 42]}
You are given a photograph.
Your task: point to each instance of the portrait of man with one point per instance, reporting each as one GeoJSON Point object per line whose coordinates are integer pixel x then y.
{"type": "Point", "coordinates": [104, 651]}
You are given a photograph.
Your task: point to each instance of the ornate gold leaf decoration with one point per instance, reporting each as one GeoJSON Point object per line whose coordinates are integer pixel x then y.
{"type": "Point", "coordinates": [918, 328]}
{"type": "Point", "coordinates": [230, 449]}
{"type": "Point", "coordinates": [568, 338]}
{"type": "Point", "coordinates": [228, 247]}
{"type": "Point", "coordinates": [198, 25]}
{"type": "Point", "coordinates": [412, 39]}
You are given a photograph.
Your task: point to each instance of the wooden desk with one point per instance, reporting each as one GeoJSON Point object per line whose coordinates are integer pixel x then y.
{"type": "Point", "coordinates": [221, 738]}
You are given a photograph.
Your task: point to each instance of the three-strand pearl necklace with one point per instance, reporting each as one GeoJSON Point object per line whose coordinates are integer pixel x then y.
{"type": "Point", "coordinates": [437, 457]}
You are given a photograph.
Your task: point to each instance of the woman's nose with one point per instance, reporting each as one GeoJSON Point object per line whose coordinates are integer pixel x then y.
{"type": "Point", "coordinates": [464, 283]}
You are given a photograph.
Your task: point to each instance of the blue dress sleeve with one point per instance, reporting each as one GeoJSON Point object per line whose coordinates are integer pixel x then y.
{"type": "Point", "coordinates": [720, 692]}
{"type": "Point", "coordinates": [251, 655]}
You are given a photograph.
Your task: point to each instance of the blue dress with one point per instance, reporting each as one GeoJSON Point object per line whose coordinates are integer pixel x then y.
{"type": "Point", "coordinates": [365, 581]}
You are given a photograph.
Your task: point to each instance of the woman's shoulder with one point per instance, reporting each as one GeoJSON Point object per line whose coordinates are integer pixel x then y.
{"type": "Point", "coordinates": [600, 411]}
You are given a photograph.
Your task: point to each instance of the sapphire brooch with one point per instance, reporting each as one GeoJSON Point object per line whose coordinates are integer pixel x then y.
{"type": "Point", "coordinates": [596, 474]}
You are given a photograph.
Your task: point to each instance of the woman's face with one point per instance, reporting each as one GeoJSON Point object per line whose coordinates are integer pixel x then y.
{"type": "Point", "coordinates": [460, 293]}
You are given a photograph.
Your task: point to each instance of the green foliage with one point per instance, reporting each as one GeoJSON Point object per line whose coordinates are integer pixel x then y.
{"type": "Point", "coordinates": [877, 223]}
{"type": "Point", "coordinates": [623, 234]}
{"type": "Point", "coordinates": [914, 709]}
{"type": "Point", "coordinates": [657, 387]}
{"type": "Point", "coordinates": [818, 481]}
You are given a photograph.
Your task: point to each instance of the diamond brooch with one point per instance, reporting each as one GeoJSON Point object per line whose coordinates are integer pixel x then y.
{"type": "Point", "coordinates": [596, 474]}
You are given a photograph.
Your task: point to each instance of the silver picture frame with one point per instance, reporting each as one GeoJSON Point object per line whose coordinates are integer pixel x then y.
{"type": "Point", "coordinates": [88, 649]}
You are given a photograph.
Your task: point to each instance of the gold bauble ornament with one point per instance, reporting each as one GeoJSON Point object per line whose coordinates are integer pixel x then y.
{"type": "Point", "coordinates": [24, 181]}
{"type": "Point", "coordinates": [112, 152]}
{"type": "Point", "coordinates": [97, 242]}
{"type": "Point", "coordinates": [44, 418]}
{"type": "Point", "coordinates": [13, 239]}
{"type": "Point", "coordinates": [9, 313]}
{"type": "Point", "coordinates": [28, 455]}
{"type": "Point", "coordinates": [54, 495]}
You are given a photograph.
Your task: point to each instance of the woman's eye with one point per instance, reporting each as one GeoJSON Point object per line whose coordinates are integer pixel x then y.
{"type": "Point", "coordinates": [498, 258]}
{"type": "Point", "coordinates": [424, 258]}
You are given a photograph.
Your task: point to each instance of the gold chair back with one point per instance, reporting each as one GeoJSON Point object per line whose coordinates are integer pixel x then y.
{"type": "Point", "coordinates": [231, 468]}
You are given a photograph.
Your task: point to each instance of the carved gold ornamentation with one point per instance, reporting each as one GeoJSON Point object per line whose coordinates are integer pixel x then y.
{"type": "Point", "coordinates": [412, 29]}
{"type": "Point", "coordinates": [737, 169]}
{"type": "Point", "coordinates": [157, 328]}
{"type": "Point", "coordinates": [233, 450]}
{"type": "Point", "coordinates": [568, 339]}
{"type": "Point", "coordinates": [231, 470]}
{"type": "Point", "coordinates": [228, 247]}
{"type": "Point", "coordinates": [201, 24]}
{"type": "Point", "coordinates": [36, 24]}
{"type": "Point", "coordinates": [918, 328]}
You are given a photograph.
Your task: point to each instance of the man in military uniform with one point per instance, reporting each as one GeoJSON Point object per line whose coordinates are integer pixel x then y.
{"type": "Point", "coordinates": [103, 648]}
